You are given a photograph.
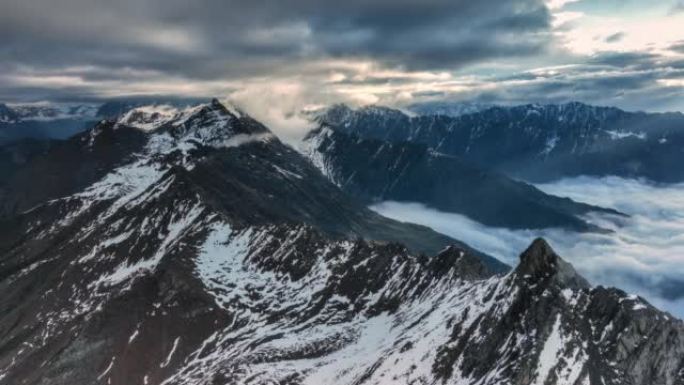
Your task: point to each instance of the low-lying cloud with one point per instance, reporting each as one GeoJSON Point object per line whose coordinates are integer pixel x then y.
{"type": "Point", "coordinates": [643, 255]}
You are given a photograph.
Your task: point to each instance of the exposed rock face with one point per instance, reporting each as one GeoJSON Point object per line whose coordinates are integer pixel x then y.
{"type": "Point", "coordinates": [374, 170]}
{"type": "Point", "coordinates": [56, 169]}
{"type": "Point", "coordinates": [539, 262]}
{"type": "Point", "coordinates": [536, 142]}
{"type": "Point", "coordinates": [183, 266]}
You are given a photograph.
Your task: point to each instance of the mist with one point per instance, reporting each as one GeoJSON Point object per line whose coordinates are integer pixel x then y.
{"type": "Point", "coordinates": [644, 253]}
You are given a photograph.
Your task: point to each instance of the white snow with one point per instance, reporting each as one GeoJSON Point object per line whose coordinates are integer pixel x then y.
{"type": "Point", "coordinates": [134, 335]}
{"type": "Point", "coordinates": [170, 355]}
{"type": "Point", "coordinates": [309, 148]}
{"type": "Point", "coordinates": [616, 135]}
{"type": "Point", "coordinates": [106, 371]}
{"type": "Point", "coordinates": [149, 118]}
{"type": "Point", "coordinates": [181, 222]}
{"type": "Point", "coordinates": [48, 111]}
{"type": "Point", "coordinates": [359, 345]}
{"type": "Point", "coordinates": [222, 266]}
{"type": "Point", "coordinates": [550, 145]}
{"type": "Point", "coordinates": [548, 358]}
{"type": "Point", "coordinates": [286, 173]}
{"type": "Point", "coordinates": [124, 183]}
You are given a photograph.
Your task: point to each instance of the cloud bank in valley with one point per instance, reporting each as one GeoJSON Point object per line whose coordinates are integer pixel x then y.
{"type": "Point", "coordinates": [643, 255]}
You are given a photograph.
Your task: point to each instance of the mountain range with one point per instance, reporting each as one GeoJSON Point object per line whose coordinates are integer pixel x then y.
{"type": "Point", "coordinates": [447, 108]}
{"type": "Point", "coordinates": [192, 246]}
{"type": "Point", "coordinates": [537, 143]}
{"type": "Point", "coordinates": [375, 170]}
{"type": "Point", "coordinates": [44, 120]}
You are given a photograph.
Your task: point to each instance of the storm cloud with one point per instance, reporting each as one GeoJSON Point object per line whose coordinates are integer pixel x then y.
{"type": "Point", "coordinates": [213, 39]}
{"type": "Point", "coordinates": [317, 52]}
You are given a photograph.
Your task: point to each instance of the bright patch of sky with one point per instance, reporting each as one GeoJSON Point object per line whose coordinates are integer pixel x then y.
{"type": "Point", "coordinates": [586, 27]}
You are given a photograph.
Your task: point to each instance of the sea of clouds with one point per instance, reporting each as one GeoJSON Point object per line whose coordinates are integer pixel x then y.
{"type": "Point", "coordinates": [644, 253]}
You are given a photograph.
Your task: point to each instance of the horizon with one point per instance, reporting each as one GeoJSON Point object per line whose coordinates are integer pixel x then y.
{"type": "Point", "coordinates": [179, 100]}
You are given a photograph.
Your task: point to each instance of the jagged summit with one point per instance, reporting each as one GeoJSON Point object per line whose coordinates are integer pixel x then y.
{"type": "Point", "coordinates": [540, 263]}
{"type": "Point", "coordinates": [460, 261]}
{"type": "Point", "coordinates": [214, 124]}
{"type": "Point", "coordinates": [153, 116]}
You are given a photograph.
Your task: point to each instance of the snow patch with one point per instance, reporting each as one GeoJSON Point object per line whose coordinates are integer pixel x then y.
{"type": "Point", "coordinates": [170, 355]}
{"type": "Point", "coordinates": [107, 370]}
{"type": "Point", "coordinates": [548, 358]}
{"type": "Point", "coordinates": [181, 222]}
{"type": "Point", "coordinates": [617, 135]}
{"type": "Point", "coordinates": [149, 118]}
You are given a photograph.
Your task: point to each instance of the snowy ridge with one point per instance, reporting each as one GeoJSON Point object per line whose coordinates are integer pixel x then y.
{"type": "Point", "coordinates": [45, 111]}
{"type": "Point", "coordinates": [309, 147]}
{"type": "Point", "coordinates": [149, 118]}
{"type": "Point", "coordinates": [173, 129]}
{"type": "Point", "coordinates": [164, 272]}
{"type": "Point", "coordinates": [532, 142]}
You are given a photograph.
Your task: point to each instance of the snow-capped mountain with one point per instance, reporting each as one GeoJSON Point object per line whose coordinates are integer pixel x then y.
{"type": "Point", "coordinates": [375, 170]}
{"type": "Point", "coordinates": [205, 251]}
{"type": "Point", "coordinates": [44, 120]}
{"type": "Point", "coordinates": [190, 133]}
{"type": "Point", "coordinates": [52, 111]}
{"type": "Point", "coordinates": [7, 115]}
{"type": "Point", "coordinates": [114, 109]}
{"type": "Point", "coordinates": [536, 142]}
{"type": "Point", "coordinates": [453, 109]}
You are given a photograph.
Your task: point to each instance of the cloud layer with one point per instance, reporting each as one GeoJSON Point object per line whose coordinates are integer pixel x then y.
{"type": "Point", "coordinates": [644, 255]}
{"type": "Point", "coordinates": [381, 51]}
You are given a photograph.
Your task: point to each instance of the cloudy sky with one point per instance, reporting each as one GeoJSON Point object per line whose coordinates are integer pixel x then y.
{"type": "Point", "coordinates": [628, 53]}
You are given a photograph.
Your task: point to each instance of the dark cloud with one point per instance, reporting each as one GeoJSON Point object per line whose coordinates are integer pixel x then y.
{"type": "Point", "coordinates": [212, 38]}
{"type": "Point", "coordinates": [629, 81]}
{"type": "Point", "coordinates": [678, 47]}
{"type": "Point", "coordinates": [614, 38]}
{"type": "Point", "coordinates": [677, 7]}
{"type": "Point", "coordinates": [624, 59]}
{"type": "Point", "coordinates": [84, 49]}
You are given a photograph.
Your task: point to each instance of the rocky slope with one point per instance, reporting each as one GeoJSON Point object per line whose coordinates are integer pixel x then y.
{"type": "Point", "coordinates": [203, 259]}
{"type": "Point", "coordinates": [536, 142]}
{"type": "Point", "coordinates": [375, 170]}
{"type": "Point", "coordinates": [241, 161]}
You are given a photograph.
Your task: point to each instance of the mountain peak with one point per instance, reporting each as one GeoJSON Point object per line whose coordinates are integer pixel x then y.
{"type": "Point", "coordinates": [215, 102]}
{"type": "Point", "coordinates": [540, 263]}
{"type": "Point", "coordinates": [227, 106]}
{"type": "Point", "coordinates": [7, 115]}
{"type": "Point", "coordinates": [221, 117]}
{"type": "Point", "coordinates": [462, 262]}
